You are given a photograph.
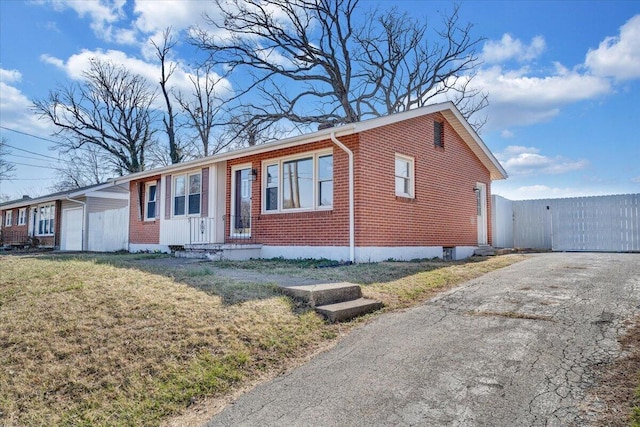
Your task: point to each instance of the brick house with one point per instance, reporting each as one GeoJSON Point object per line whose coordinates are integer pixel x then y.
{"type": "Point", "coordinates": [411, 185]}
{"type": "Point", "coordinates": [93, 218]}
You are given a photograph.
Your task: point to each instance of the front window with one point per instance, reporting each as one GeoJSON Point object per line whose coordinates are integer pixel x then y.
{"type": "Point", "coordinates": [187, 194]}
{"type": "Point", "coordinates": [404, 176]}
{"type": "Point", "coordinates": [8, 219]}
{"type": "Point", "coordinates": [46, 217]}
{"type": "Point", "coordinates": [299, 184]}
{"type": "Point", "coordinates": [22, 216]}
{"type": "Point", "coordinates": [151, 202]}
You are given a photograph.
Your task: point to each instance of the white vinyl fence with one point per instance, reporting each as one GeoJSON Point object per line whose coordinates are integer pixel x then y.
{"type": "Point", "coordinates": [599, 223]}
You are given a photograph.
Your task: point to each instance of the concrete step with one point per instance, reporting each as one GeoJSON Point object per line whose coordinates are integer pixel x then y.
{"type": "Point", "coordinates": [347, 310]}
{"type": "Point", "coordinates": [325, 293]}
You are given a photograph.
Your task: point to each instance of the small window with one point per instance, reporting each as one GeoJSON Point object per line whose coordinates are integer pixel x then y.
{"type": "Point", "coordinates": [151, 201]}
{"type": "Point", "coordinates": [178, 196]}
{"type": "Point", "coordinates": [325, 180]}
{"type": "Point", "coordinates": [271, 201]}
{"type": "Point", "coordinates": [194, 194]}
{"type": "Point", "coordinates": [438, 134]}
{"type": "Point", "coordinates": [404, 176]}
{"type": "Point", "coordinates": [22, 216]}
{"type": "Point", "coordinates": [8, 219]}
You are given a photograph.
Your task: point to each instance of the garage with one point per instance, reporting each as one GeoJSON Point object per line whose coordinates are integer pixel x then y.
{"type": "Point", "coordinates": [72, 227]}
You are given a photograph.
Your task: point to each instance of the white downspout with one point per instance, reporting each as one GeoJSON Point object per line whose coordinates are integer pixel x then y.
{"type": "Point", "coordinates": [352, 218]}
{"type": "Point", "coordinates": [84, 219]}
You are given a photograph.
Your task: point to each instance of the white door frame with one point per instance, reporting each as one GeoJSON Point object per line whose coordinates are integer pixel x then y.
{"type": "Point", "coordinates": [481, 203]}
{"type": "Point", "coordinates": [232, 221]}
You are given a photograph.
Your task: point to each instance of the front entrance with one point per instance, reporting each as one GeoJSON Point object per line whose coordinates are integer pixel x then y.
{"type": "Point", "coordinates": [241, 203]}
{"type": "Point", "coordinates": [481, 203]}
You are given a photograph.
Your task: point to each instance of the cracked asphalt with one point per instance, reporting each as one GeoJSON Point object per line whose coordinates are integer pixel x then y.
{"type": "Point", "coordinates": [516, 346]}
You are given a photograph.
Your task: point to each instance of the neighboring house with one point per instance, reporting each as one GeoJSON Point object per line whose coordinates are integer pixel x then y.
{"type": "Point", "coordinates": [411, 185]}
{"type": "Point", "coordinates": [93, 218]}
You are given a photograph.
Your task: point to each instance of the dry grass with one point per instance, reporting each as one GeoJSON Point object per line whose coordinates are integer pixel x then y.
{"type": "Point", "coordinates": [110, 340]}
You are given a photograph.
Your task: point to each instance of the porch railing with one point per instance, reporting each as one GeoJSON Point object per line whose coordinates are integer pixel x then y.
{"type": "Point", "coordinates": [201, 230]}
{"type": "Point", "coordinates": [14, 238]}
{"type": "Point", "coordinates": [238, 229]}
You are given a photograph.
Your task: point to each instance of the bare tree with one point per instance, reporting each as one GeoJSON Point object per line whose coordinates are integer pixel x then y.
{"type": "Point", "coordinates": [81, 168]}
{"type": "Point", "coordinates": [202, 108]}
{"type": "Point", "coordinates": [167, 69]}
{"type": "Point", "coordinates": [111, 110]}
{"type": "Point", "coordinates": [309, 61]}
{"type": "Point", "coordinates": [6, 167]}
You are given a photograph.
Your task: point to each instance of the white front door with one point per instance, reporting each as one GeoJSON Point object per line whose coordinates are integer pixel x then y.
{"type": "Point", "coordinates": [72, 226]}
{"type": "Point", "coordinates": [481, 202]}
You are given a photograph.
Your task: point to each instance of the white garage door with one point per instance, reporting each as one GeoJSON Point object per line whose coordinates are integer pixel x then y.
{"type": "Point", "coordinates": [71, 239]}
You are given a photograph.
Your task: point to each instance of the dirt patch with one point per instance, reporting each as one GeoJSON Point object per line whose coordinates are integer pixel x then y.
{"type": "Point", "coordinates": [612, 400]}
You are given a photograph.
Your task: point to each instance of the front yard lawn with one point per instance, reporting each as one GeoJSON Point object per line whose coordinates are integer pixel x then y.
{"type": "Point", "coordinates": [120, 340]}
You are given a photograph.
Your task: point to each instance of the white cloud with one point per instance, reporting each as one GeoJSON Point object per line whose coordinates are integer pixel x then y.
{"type": "Point", "coordinates": [154, 16]}
{"type": "Point", "coordinates": [507, 48]}
{"type": "Point", "coordinates": [517, 98]}
{"type": "Point", "coordinates": [618, 56]}
{"type": "Point", "coordinates": [10, 76]}
{"type": "Point", "coordinates": [102, 13]}
{"type": "Point", "coordinates": [519, 160]}
{"type": "Point", "coordinates": [15, 107]}
{"type": "Point", "coordinates": [506, 133]}
{"type": "Point", "coordinates": [77, 64]}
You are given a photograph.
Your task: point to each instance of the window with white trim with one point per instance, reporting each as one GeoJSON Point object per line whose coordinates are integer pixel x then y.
{"type": "Point", "coordinates": [187, 194]}
{"type": "Point", "coordinates": [46, 219]}
{"type": "Point", "coordinates": [151, 203]}
{"type": "Point", "coordinates": [299, 183]}
{"type": "Point", "coordinates": [8, 218]}
{"type": "Point", "coordinates": [22, 216]}
{"type": "Point", "coordinates": [404, 176]}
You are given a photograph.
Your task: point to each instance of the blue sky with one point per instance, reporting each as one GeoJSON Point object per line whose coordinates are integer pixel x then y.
{"type": "Point", "coordinates": [563, 80]}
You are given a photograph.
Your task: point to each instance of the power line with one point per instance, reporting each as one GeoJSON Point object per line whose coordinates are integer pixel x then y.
{"type": "Point", "coordinates": [29, 134]}
{"type": "Point", "coordinates": [38, 166]}
{"type": "Point", "coordinates": [30, 152]}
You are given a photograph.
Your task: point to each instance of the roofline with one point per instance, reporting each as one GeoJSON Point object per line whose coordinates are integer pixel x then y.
{"type": "Point", "coordinates": [498, 171]}
{"type": "Point", "coordinates": [57, 196]}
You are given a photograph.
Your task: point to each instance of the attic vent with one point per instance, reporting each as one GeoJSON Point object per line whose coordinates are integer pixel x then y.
{"type": "Point", "coordinates": [438, 134]}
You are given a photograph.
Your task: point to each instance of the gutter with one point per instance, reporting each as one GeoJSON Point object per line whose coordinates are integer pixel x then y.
{"type": "Point", "coordinates": [352, 220]}
{"type": "Point", "coordinates": [84, 218]}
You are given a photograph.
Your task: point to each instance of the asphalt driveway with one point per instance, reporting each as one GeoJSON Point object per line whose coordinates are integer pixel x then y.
{"type": "Point", "coordinates": [514, 347]}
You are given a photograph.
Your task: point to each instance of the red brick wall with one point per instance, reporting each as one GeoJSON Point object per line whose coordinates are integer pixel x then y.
{"type": "Point", "coordinates": [443, 212]}
{"type": "Point", "coordinates": [141, 231]}
{"type": "Point", "coordinates": [15, 234]}
{"type": "Point", "coordinates": [313, 228]}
